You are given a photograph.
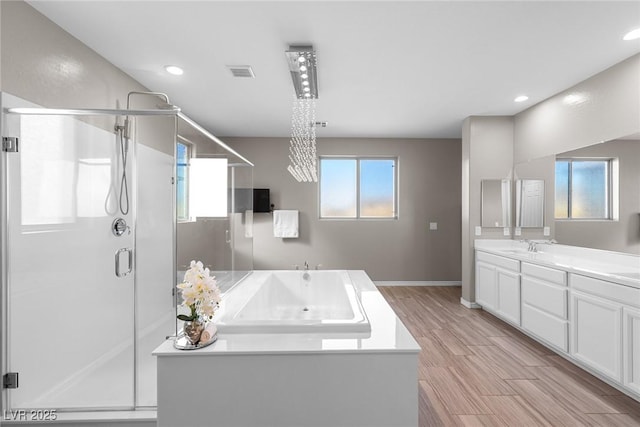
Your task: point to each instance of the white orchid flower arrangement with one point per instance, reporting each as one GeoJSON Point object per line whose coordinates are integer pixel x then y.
{"type": "Point", "coordinates": [199, 292]}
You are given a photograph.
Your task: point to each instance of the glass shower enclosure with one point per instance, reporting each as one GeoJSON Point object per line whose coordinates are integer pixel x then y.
{"type": "Point", "coordinates": [89, 252]}
{"type": "Point", "coordinates": [215, 225]}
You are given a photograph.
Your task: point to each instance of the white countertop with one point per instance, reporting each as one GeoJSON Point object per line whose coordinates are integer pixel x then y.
{"type": "Point", "coordinates": [616, 267]}
{"type": "Point", "coordinates": [388, 334]}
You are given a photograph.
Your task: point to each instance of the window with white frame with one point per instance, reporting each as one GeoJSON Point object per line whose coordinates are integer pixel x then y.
{"type": "Point", "coordinates": [584, 189]}
{"type": "Point", "coordinates": [358, 187]}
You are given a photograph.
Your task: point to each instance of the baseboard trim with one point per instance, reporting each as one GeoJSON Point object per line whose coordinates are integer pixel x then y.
{"type": "Point", "coordinates": [416, 283]}
{"type": "Point", "coordinates": [469, 304]}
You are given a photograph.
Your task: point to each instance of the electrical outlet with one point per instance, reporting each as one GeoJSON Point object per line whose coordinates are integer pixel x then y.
{"type": "Point", "coordinates": [478, 230]}
{"type": "Point", "coordinates": [506, 231]}
{"type": "Point", "coordinates": [518, 231]}
{"type": "Point", "coordinates": [433, 226]}
{"type": "Point", "coordinates": [547, 231]}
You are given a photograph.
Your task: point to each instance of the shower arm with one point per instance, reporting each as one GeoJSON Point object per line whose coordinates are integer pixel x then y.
{"type": "Point", "coordinates": [172, 107]}
{"type": "Point", "coordinates": [158, 94]}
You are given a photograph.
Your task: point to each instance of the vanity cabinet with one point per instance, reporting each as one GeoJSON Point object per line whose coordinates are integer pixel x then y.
{"type": "Point", "coordinates": [545, 304]}
{"type": "Point", "coordinates": [605, 328]}
{"type": "Point", "coordinates": [593, 322]}
{"type": "Point", "coordinates": [631, 348]}
{"type": "Point", "coordinates": [596, 333]}
{"type": "Point", "coordinates": [498, 286]}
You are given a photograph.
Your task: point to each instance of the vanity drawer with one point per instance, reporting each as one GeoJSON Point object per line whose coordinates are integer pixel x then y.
{"type": "Point", "coordinates": [506, 263]}
{"type": "Point", "coordinates": [552, 275]}
{"type": "Point", "coordinates": [609, 290]}
{"type": "Point", "coordinates": [549, 328]}
{"type": "Point", "coordinates": [544, 296]}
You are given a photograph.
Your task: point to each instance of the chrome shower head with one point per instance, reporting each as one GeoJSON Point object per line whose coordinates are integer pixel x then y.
{"type": "Point", "coordinates": [167, 106]}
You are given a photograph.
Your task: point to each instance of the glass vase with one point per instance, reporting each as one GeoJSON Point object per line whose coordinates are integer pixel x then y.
{"type": "Point", "coordinates": [193, 330]}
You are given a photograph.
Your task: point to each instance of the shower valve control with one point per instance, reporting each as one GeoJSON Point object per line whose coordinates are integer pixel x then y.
{"type": "Point", "coordinates": [119, 227]}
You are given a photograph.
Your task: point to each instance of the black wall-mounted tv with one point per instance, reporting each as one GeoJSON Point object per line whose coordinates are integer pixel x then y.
{"type": "Point", "coordinates": [261, 200]}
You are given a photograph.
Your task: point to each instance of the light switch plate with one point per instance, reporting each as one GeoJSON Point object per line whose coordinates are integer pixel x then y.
{"type": "Point", "coordinates": [478, 230]}
{"type": "Point", "coordinates": [433, 226]}
{"type": "Point", "coordinates": [518, 231]}
{"type": "Point", "coordinates": [506, 231]}
{"type": "Point", "coordinates": [547, 231]}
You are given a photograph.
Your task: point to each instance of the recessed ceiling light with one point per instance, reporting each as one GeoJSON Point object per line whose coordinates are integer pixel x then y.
{"type": "Point", "coordinates": [308, 95]}
{"type": "Point", "coordinates": [301, 59]}
{"type": "Point", "coordinates": [632, 35]}
{"type": "Point", "coordinates": [174, 69]}
{"type": "Point", "coordinates": [521, 98]}
{"type": "Point", "coordinates": [306, 89]}
{"type": "Point", "coordinates": [305, 83]}
{"type": "Point", "coordinates": [303, 68]}
{"type": "Point", "coordinates": [304, 76]}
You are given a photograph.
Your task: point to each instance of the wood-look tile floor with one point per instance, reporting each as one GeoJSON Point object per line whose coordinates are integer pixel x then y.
{"type": "Point", "coordinates": [475, 370]}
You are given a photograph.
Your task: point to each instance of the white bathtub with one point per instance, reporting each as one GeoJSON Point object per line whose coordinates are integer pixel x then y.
{"type": "Point", "coordinates": [293, 302]}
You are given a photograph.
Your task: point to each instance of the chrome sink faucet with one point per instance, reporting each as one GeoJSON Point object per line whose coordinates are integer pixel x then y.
{"type": "Point", "coordinates": [306, 276]}
{"type": "Point", "coordinates": [533, 244]}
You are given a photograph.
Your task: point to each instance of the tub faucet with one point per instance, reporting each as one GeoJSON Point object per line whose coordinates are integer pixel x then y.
{"type": "Point", "coordinates": [306, 265]}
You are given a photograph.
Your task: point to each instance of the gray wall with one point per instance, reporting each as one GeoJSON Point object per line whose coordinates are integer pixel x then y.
{"type": "Point", "coordinates": [44, 64]}
{"type": "Point", "coordinates": [610, 109]}
{"type": "Point", "coordinates": [48, 66]}
{"type": "Point", "coordinates": [389, 250]}
{"type": "Point", "coordinates": [487, 153]}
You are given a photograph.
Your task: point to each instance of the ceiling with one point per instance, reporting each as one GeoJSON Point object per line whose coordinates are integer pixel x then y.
{"type": "Point", "coordinates": [409, 69]}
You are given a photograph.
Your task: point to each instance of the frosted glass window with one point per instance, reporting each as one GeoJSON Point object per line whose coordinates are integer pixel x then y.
{"type": "Point", "coordinates": [357, 187]}
{"type": "Point", "coordinates": [338, 193]}
{"type": "Point", "coordinates": [583, 189]}
{"type": "Point", "coordinates": [182, 178]}
{"type": "Point", "coordinates": [377, 188]}
{"type": "Point", "coordinates": [562, 189]}
{"type": "Point", "coordinates": [589, 195]}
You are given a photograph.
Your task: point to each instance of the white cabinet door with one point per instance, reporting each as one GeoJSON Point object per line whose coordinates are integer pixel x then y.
{"type": "Point", "coordinates": [486, 285]}
{"type": "Point", "coordinates": [508, 284]}
{"type": "Point", "coordinates": [551, 329]}
{"type": "Point", "coordinates": [631, 348]}
{"type": "Point", "coordinates": [596, 333]}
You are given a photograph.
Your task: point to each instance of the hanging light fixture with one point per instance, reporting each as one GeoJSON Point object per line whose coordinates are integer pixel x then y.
{"type": "Point", "coordinates": [302, 145]}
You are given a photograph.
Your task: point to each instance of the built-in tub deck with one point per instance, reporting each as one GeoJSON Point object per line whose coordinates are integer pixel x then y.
{"type": "Point", "coordinates": [312, 378]}
{"type": "Point", "coordinates": [323, 301]}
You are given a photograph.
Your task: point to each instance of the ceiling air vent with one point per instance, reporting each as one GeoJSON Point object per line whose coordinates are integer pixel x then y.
{"type": "Point", "coordinates": [241, 71]}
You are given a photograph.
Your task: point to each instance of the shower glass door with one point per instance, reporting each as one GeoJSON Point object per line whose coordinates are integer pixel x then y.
{"type": "Point", "coordinates": [70, 332]}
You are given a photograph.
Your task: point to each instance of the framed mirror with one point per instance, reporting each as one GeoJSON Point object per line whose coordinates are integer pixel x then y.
{"type": "Point", "coordinates": [530, 203]}
{"type": "Point", "coordinates": [496, 203]}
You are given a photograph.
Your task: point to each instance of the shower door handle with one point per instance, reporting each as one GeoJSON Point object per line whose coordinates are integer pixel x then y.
{"type": "Point", "coordinates": [119, 273]}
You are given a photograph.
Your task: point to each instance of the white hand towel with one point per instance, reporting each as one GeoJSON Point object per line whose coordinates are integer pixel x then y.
{"type": "Point", "coordinates": [209, 333]}
{"type": "Point", "coordinates": [285, 224]}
